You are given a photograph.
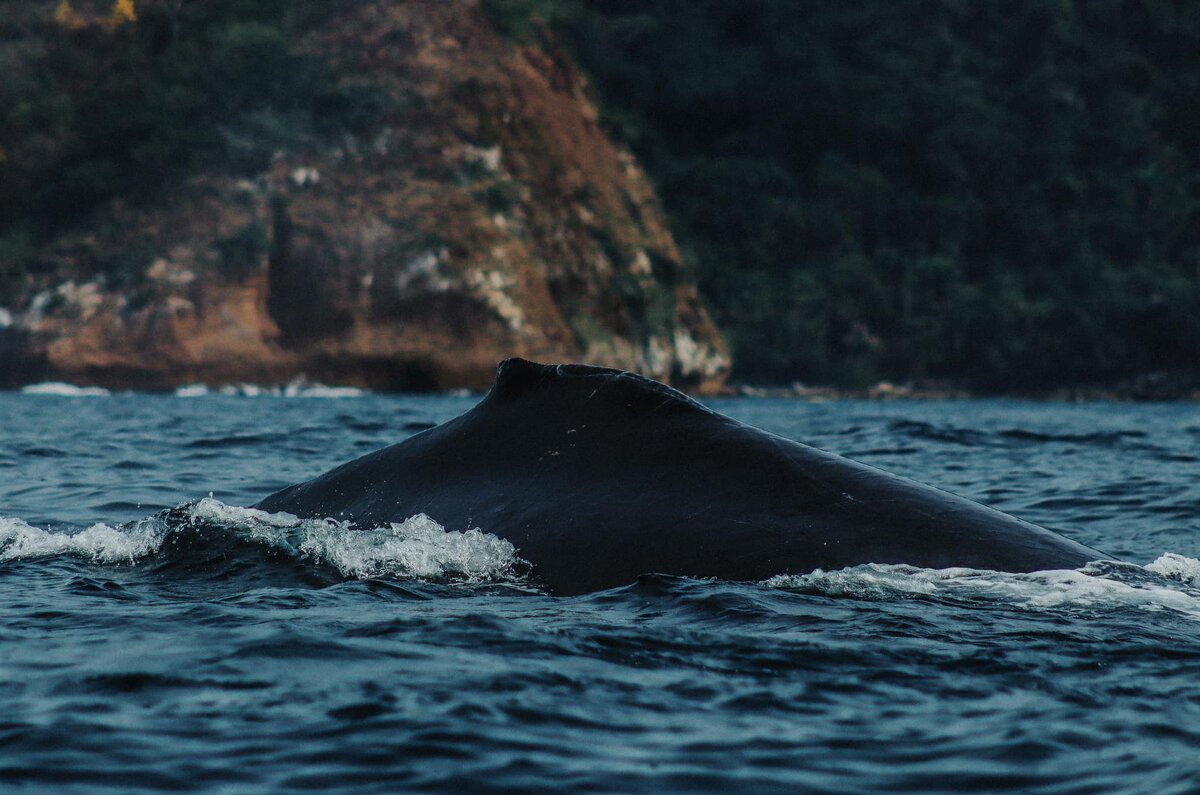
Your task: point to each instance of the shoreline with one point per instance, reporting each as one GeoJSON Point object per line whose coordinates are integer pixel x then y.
{"type": "Point", "coordinates": [886, 391]}
{"type": "Point", "coordinates": [880, 392]}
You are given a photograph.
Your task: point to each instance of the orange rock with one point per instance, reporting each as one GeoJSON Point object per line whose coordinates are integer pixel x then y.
{"type": "Point", "coordinates": [487, 215]}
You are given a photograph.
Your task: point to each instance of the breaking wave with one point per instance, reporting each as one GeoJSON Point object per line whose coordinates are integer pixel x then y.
{"type": "Point", "coordinates": [417, 548]}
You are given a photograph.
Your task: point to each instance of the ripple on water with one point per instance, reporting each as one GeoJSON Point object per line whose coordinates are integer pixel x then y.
{"type": "Point", "coordinates": [212, 647]}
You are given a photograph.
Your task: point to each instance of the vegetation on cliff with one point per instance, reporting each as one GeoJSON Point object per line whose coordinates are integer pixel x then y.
{"type": "Point", "coordinates": [388, 193]}
{"type": "Point", "coordinates": [1005, 193]}
{"type": "Point", "coordinates": [117, 99]}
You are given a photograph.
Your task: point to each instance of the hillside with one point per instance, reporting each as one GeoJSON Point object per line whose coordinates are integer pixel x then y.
{"type": "Point", "coordinates": [391, 194]}
{"type": "Point", "coordinates": [980, 196]}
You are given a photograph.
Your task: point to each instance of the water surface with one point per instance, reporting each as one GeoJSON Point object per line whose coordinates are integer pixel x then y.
{"type": "Point", "coordinates": [154, 636]}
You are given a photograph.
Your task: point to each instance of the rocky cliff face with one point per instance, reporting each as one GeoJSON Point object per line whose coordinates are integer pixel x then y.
{"type": "Point", "coordinates": [483, 214]}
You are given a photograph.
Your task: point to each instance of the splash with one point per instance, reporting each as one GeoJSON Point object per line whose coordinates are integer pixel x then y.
{"type": "Point", "coordinates": [417, 548]}
{"type": "Point", "coordinates": [1167, 583]}
{"type": "Point", "coordinates": [420, 548]}
{"type": "Point", "coordinates": [99, 543]}
{"type": "Point", "coordinates": [1177, 567]}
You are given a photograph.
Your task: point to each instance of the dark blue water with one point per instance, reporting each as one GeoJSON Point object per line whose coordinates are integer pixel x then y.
{"type": "Point", "coordinates": [154, 639]}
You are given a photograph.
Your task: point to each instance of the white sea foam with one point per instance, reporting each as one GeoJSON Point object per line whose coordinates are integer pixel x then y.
{"type": "Point", "coordinates": [417, 548]}
{"type": "Point", "coordinates": [1098, 586]}
{"type": "Point", "coordinates": [1177, 567]}
{"type": "Point", "coordinates": [299, 387]}
{"type": "Point", "coordinates": [62, 389]}
{"type": "Point", "coordinates": [322, 391]}
{"type": "Point", "coordinates": [420, 548]}
{"type": "Point", "coordinates": [100, 543]}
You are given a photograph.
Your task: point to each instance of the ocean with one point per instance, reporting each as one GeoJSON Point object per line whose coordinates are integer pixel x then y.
{"type": "Point", "coordinates": [157, 636]}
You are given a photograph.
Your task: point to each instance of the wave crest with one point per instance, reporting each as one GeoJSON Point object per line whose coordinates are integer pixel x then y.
{"type": "Point", "coordinates": [417, 548]}
{"type": "Point", "coordinates": [1170, 582]}
{"type": "Point", "coordinates": [99, 543]}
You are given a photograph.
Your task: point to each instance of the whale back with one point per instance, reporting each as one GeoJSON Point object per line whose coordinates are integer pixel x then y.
{"type": "Point", "coordinates": [619, 391]}
{"type": "Point", "coordinates": [598, 475]}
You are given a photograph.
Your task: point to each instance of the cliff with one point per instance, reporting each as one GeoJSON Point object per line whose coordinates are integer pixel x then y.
{"type": "Point", "coordinates": [482, 213]}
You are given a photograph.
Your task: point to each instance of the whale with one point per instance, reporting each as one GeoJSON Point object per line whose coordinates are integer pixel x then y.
{"type": "Point", "coordinates": [597, 476]}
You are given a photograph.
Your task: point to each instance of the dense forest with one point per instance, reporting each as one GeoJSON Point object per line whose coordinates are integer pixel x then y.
{"type": "Point", "coordinates": [1001, 193]}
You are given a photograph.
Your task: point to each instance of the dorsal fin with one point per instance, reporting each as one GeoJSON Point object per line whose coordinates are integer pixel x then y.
{"type": "Point", "coordinates": [516, 378]}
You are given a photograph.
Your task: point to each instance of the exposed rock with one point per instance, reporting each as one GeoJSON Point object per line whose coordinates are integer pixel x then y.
{"type": "Point", "coordinates": [486, 215]}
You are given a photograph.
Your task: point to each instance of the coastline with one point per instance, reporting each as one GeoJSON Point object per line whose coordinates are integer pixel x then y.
{"type": "Point", "coordinates": [1153, 387]}
{"type": "Point", "coordinates": [1131, 391]}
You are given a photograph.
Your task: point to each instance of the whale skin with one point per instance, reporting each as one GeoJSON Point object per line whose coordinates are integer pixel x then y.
{"type": "Point", "coordinates": [597, 476]}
